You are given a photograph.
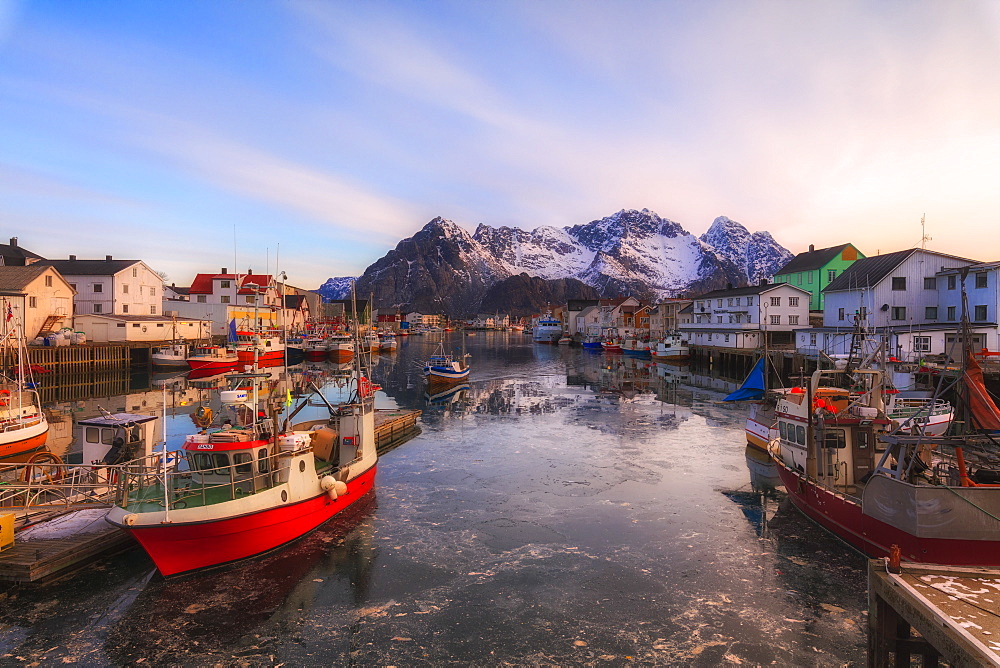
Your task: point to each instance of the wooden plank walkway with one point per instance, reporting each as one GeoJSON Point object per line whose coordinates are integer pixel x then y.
{"type": "Point", "coordinates": [953, 610]}
{"type": "Point", "coordinates": [394, 427]}
{"type": "Point", "coordinates": [34, 559]}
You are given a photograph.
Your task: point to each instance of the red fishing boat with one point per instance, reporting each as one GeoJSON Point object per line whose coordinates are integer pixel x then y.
{"type": "Point", "coordinates": [247, 487]}
{"type": "Point", "coordinates": [23, 426]}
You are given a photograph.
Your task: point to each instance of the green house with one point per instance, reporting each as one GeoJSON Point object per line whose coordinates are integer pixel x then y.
{"type": "Point", "coordinates": [816, 269]}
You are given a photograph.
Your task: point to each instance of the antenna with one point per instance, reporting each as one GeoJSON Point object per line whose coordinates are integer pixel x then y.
{"type": "Point", "coordinates": [923, 234]}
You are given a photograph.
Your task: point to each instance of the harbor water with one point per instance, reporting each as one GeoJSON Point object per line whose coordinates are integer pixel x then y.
{"type": "Point", "coordinates": [560, 508]}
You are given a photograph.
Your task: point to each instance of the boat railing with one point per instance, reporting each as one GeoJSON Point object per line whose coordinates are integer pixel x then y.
{"type": "Point", "coordinates": [141, 482]}
{"type": "Point", "coordinates": [57, 486]}
{"type": "Point", "coordinates": [914, 405]}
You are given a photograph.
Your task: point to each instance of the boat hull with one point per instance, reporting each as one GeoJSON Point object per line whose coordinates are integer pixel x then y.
{"type": "Point", "coordinates": [179, 548]}
{"type": "Point", "coordinates": [205, 365]}
{"type": "Point", "coordinates": [23, 440]}
{"type": "Point", "coordinates": [843, 516]}
{"type": "Point", "coordinates": [269, 356]}
{"type": "Point", "coordinates": [444, 375]}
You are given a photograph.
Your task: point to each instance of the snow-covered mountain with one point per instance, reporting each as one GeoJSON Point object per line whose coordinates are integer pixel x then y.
{"type": "Point", "coordinates": [444, 268]}
{"type": "Point", "coordinates": [336, 288]}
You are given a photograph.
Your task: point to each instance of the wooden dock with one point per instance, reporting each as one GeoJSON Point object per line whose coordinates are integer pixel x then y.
{"type": "Point", "coordinates": [955, 613]}
{"type": "Point", "coordinates": [53, 552]}
{"type": "Point", "coordinates": [394, 427]}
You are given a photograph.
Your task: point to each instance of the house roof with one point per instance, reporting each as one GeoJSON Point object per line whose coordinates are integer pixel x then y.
{"type": "Point", "coordinates": [748, 290]}
{"type": "Point", "coordinates": [203, 283]}
{"type": "Point", "coordinates": [811, 260]}
{"type": "Point", "coordinates": [15, 279]}
{"type": "Point", "coordinates": [89, 267]}
{"type": "Point", "coordinates": [14, 255]}
{"type": "Point", "coordinates": [867, 272]}
{"type": "Point", "coordinates": [870, 271]}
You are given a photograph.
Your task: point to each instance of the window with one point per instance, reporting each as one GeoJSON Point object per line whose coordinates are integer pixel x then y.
{"type": "Point", "coordinates": [32, 302]}
{"type": "Point", "coordinates": [121, 324]}
{"type": "Point", "coordinates": [243, 462]}
{"type": "Point", "coordinates": [97, 308]}
{"type": "Point", "coordinates": [775, 319]}
{"type": "Point", "coordinates": [775, 301]}
{"type": "Point", "coordinates": [809, 277]}
{"type": "Point", "coordinates": [48, 281]}
{"type": "Point", "coordinates": [781, 429]}
{"type": "Point", "coordinates": [980, 279]}
{"type": "Point", "coordinates": [135, 271]}
{"type": "Point", "coordinates": [224, 284]}
{"type": "Point", "coordinates": [152, 292]}
{"type": "Point", "coordinates": [951, 282]}
{"type": "Point", "coordinates": [251, 299]}
{"type": "Point", "coordinates": [136, 325]}
{"type": "Point", "coordinates": [981, 313]}
{"type": "Point", "coordinates": [899, 282]}
{"type": "Point", "coordinates": [262, 461]}
{"type": "Point", "coordinates": [800, 434]}
{"type": "Point", "coordinates": [749, 301]}
{"type": "Point", "coordinates": [835, 438]}
{"type": "Point", "coordinates": [798, 278]}
{"type": "Point", "coordinates": [930, 312]}
{"type": "Point", "coordinates": [201, 299]}
{"type": "Point", "coordinates": [718, 319]}
{"type": "Point", "coordinates": [160, 324]}
{"type": "Point", "coordinates": [73, 285]}
{"type": "Point", "coordinates": [124, 308]}
{"type": "Point", "coordinates": [830, 275]}
{"type": "Point", "coordinates": [793, 320]}
{"type": "Point", "coordinates": [125, 289]}
{"type": "Point", "coordinates": [224, 299]}
{"type": "Point", "coordinates": [930, 283]}
{"type": "Point", "coordinates": [840, 314]}
{"type": "Point", "coordinates": [152, 310]}
{"type": "Point", "coordinates": [719, 303]}
{"type": "Point", "coordinates": [899, 313]}
{"type": "Point", "coordinates": [730, 302]}
{"type": "Point", "coordinates": [727, 338]}
{"type": "Point", "coordinates": [98, 287]}
{"type": "Point", "coordinates": [793, 301]}
{"type": "Point", "coordinates": [951, 313]}
{"type": "Point", "coordinates": [921, 344]}
{"type": "Point", "coordinates": [812, 339]}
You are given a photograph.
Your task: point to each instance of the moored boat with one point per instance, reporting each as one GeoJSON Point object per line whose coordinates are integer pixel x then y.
{"type": "Point", "coordinates": [204, 358]}
{"type": "Point", "coordinates": [592, 343]}
{"type": "Point", "coordinates": [387, 342]}
{"type": "Point", "coordinates": [547, 330]}
{"type": "Point", "coordinates": [445, 368]}
{"type": "Point", "coordinates": [340, 347]}
{"type": "Point", "coordinates": [670, 348]}
{"type": "Point", "coordinates": [254, 347]}
{"type": "Point", "coordinates": [636, 348]}
{"type": "Point", "coordinates": [173, 355]}
{"type": "Point", "coordinates": [246, 491]}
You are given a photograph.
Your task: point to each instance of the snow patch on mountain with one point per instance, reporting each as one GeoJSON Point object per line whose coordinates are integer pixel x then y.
{"type": "Point", "coordinates": [336, 288]}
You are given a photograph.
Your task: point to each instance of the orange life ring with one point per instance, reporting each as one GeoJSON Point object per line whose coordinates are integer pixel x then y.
{"type": "Point", "coordinates": [364, 387]}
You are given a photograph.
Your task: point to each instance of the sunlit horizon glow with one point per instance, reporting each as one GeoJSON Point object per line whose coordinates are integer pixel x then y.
{"type": "Point", "coordinates": [198, 135]}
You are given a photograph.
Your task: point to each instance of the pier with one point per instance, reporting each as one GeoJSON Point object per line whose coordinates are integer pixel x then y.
{"type": "Point", "coordinates": [394, 427]}
{"type": "Point", "coordinates": [952, 610]}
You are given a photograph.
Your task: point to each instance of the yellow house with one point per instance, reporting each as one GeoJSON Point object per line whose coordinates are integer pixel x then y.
{"type": "Point", "coordinates": [37, 297]}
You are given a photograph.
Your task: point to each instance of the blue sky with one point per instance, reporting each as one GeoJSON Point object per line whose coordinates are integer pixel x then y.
{"type": "Point", "coordinates": [195, 135]}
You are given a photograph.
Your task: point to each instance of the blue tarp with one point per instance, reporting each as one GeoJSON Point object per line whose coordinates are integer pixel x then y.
{"type": "Point", "coordinates": [232, 331]}
{"type": "Point", "coordinates": [753, 386]}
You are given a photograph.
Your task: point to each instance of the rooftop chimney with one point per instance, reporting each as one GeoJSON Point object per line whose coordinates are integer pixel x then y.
{"type": "Point", "coordinates": [225, 270]}
{"type": "Point", "coordinates": [72, 258]}
{"type": "Point", "coordinates": [729, 286]}
{"type": "Point", "coordinates": [763, 281]}
{"type": "Point", "coordinates": [13, 242]}
{"type": "Point", "coordinates": [812, 247]}
{"type": "Point", "coordinates": [107, 258]}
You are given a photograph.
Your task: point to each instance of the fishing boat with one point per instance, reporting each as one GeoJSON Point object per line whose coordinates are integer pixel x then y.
{"type": "Point", "coordinates": [387, 342]}
{"type": "Point", "coordinates": [370, 342]}
{"type": "Point", "coordinates": [441, 367]}
{"type": "Point", "coordinates": [316, 348]}
{"type": "Point", "coordinates": [671, 348]}
{"type": "Point", "coordinates": [636, 348]}
{"type": "Point", "coordinates": [565, 340]}
{"type": "Point", "coordinates": [245, 487]}
{"type": "Point", "coordinates": [846, 468]}
{"type": "Point", "coordinates": [340, 347]}
{"type": "Point", "coordinates": [592, 342]}
{"type": "Point", "coordinates": [23, 426]}
{"type": "Point", "coordinates": [253, 346]}
{"type": "Point", "coordinates": [548, 329]}
{"type": "Point", "coordinates": [170, 356]}
{"type": "Point", "coordinates": [220, 358]}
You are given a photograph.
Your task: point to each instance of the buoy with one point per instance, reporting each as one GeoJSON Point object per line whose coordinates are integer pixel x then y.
{"type": "Point", "coordinates": [340, 487]}
{"type": "Point", "coordinates": [327, 482]}
{"type": "Point", "coordinates": [130, 519]}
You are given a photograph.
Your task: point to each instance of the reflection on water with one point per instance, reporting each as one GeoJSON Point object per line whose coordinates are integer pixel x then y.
{"type": "Point", "coordinates": [562, 508]}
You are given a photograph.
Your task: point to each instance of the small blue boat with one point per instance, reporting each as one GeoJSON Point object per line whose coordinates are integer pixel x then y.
{"type": "Point", "coordinates": [441, 367]}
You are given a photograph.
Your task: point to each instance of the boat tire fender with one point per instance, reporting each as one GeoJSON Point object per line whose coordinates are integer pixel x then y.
{"type": "Point", "coordinates": [4, 397]}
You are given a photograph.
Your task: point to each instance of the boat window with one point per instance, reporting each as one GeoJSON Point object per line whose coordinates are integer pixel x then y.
{"type": "Point", "coordinates": [207, 461]}
{"type": "Point", "coordinates": [781, 429]}
{"type": "Point", "coordinates": [107, 435]}
{"type": "Point", "coordinates": [800, 434]}
{"type": "Point", "coordinates": [835, 438]}
{"type": "Point", "coordinates": [243, 462]}
{"type": "Point", "coordinates": [93, 434]}
{"type": "Point", "coordinates": [263, 465]}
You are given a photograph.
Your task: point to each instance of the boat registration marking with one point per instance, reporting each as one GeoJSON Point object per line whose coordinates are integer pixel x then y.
{"type": "Point", "coordinates": [204, 446]}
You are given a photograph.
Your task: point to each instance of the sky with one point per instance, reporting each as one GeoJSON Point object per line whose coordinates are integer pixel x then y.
{"type": "Point", "coordinates": [310, 137]}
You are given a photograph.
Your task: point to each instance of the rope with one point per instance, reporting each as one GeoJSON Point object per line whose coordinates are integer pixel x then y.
{"type": "Point", "coordinates": [986, 512]}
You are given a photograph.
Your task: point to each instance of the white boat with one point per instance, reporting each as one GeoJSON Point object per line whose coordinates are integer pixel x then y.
{"type": "Point", "coordinates": [671, 348]}
{"type": "Point", "coordinates": [23, 426]}
{"type": "Point", "coordinates": [170, 356]}
{"type": "Point", "coordinates": [387, 342]}
{"type": "Point", "coordinates": [547, 330]}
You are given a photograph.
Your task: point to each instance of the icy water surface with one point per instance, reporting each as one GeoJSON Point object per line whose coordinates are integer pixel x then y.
{"type": "Point", "coordinates": [565, 509]}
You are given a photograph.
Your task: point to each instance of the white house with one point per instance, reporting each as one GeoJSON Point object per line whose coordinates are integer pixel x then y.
{"type": "Point", "coordinates": [739, 317]}
{"type": "Point", "coordinates": [109, 286]}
